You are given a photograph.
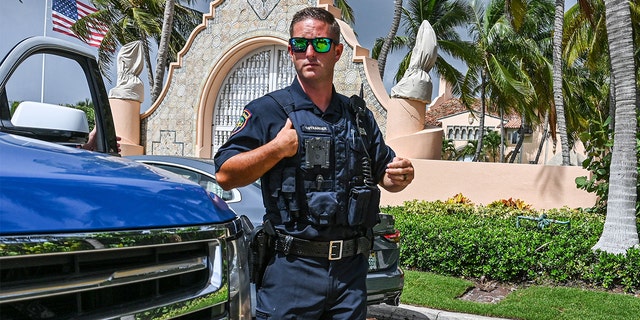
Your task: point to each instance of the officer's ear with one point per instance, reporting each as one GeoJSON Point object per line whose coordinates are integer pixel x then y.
{"type": "Point", "coordinates": [339, 49]}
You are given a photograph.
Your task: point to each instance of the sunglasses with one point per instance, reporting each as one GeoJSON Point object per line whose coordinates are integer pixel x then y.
{"type": "Point", "coordinates": [320, 45]}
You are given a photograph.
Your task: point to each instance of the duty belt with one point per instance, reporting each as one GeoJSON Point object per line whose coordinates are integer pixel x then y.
{"type": "Point", "coordinates": [332, 250]}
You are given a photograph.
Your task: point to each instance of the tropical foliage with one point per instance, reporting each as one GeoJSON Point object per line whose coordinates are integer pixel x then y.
{"type": "Point", "coordinates": [513, 72]}
{"type": "Point", "coordinates": [598, 144]}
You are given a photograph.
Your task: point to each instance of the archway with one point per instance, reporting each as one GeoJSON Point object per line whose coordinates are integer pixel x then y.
{"type": "Point", "coordinates": [250, 70]}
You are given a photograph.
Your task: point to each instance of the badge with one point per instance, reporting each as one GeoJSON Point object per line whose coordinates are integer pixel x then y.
{"type": "Point", "coordinates": [246, 114]}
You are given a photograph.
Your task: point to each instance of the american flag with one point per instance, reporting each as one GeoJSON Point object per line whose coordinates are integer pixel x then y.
{"type": "Point", "coordinates": [65, 13]}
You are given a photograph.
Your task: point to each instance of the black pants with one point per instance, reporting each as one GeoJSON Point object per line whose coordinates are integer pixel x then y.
{"type": "Point", "coordinates": [313, 288]}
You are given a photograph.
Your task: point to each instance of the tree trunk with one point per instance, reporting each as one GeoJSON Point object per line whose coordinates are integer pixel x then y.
{"type": "Point", "coordinates": [558, 98]}
{"type": "Point", "coordinates": [147, 59]}
{"type": "Point", "coordinates": [507, 11]}
{"type": "Point", "coordinates": [503, 132]}
{"type": "Point", "coordinates": [476, 156]}
{"type": "Point", "coordinates": [620, 231]}
{"type": "Point", "coordinates": [386, 46]}
{"type": "Point", "coordinates": [516, 150]}
{"type": "Point", "coordinates": [545, 133]}
{"type": "Point", "coordinates": [163, 49]}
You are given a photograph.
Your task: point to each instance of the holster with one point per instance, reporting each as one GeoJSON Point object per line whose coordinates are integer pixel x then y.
{"type": "Point", "coordinates": [262, 244]}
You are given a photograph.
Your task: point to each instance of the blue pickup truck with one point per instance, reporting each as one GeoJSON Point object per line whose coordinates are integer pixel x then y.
{"type": "Point", "coordinates": [90, 235]}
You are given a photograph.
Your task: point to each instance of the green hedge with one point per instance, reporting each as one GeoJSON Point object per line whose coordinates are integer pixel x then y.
{"type": "Point", "coordinates": [455, 238]}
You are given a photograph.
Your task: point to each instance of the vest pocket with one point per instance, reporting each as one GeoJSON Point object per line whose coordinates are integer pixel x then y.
{"type": "Point", "coordinates": [322, 207]}
{"type": "Point", "coordinates": [363, 206]}
{"type": "Point", "coordinates": [283, 188]}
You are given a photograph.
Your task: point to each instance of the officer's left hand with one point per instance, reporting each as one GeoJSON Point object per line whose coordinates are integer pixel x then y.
{"type": "Point", "coordinates": [398, 175]}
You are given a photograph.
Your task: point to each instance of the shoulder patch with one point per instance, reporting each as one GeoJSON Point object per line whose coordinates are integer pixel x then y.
{"type": "Point", "coordinates": [242, 122]}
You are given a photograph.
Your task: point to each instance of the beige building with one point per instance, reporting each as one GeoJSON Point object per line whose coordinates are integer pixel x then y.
{"type": "Point", "coordinates": [460, 125]}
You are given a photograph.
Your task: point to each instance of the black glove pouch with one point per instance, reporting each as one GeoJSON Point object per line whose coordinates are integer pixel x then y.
{"type": "Point", "coordinates": [364, 206]}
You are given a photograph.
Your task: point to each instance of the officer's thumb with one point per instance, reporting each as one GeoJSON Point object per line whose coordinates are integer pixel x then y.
{"type": "Point", "coordinates": [288, 134]}
{"type": "Point", "coordinates": [288, 124]}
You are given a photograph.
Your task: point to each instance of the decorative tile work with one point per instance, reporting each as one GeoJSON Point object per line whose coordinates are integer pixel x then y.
{"type": "Point", "coordinates": [263, 8]}
{"type": "Point", "coordinates": [167, 144]}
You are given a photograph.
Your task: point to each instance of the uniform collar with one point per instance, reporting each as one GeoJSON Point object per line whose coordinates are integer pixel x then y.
{"type": "Point", "coordinates": [302, 101]}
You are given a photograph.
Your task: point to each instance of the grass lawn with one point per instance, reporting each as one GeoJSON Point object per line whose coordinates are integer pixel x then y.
{"type": "Point", "coordinates": [534, 302]}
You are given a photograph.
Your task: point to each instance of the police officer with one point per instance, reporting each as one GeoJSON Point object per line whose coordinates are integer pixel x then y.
{"type": "Point", "coordinates": [320, 157]}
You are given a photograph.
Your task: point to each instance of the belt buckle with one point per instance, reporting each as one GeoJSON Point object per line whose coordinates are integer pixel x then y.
{"type": "Point", "coordinates": [335, 245]}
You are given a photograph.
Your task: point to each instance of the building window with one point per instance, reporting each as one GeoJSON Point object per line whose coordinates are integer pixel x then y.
{"type": "Point", "coordinates": [464, 133]}
{"type": "Point", "coordinates": [514, 137]}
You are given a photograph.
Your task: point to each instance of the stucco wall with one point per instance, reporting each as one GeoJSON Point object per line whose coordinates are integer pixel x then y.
{"type": "Point", "coordinates": [543, 187]}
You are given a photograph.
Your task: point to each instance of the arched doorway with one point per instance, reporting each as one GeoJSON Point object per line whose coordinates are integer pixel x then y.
{"type": "Point", "coordinates": [259, 72]}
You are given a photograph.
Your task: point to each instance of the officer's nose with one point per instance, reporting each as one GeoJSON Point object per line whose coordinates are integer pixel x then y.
{"type": "Point", "coordinates": [311, 52]}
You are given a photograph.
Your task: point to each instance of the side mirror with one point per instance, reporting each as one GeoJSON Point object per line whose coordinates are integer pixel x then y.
{"type": "Point", "coordinates": [51, 122]}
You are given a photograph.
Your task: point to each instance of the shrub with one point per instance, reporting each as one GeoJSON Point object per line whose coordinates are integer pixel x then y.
{"type": "Point", "coordinates": [456, 238]}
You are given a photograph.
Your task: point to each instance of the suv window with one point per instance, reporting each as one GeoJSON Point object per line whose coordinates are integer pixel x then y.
{"type": "Point", "coordinates": [54, 95]}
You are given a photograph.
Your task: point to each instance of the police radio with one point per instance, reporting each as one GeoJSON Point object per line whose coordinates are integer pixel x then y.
{"type": "Point", "coordinates": [364, 201]}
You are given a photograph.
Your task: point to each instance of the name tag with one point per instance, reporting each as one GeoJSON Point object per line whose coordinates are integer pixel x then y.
{"type": "Point", "coordinates": [314, 129]}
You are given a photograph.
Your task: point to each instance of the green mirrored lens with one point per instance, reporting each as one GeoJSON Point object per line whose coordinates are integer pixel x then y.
{"type": "Point", "coordinates": [321, 45]}
{"type": "Point", "coordinates": [299, 44]}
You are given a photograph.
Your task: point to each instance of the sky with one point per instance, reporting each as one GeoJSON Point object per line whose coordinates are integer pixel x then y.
{"type": "Point", "coordinates": [372, 20]}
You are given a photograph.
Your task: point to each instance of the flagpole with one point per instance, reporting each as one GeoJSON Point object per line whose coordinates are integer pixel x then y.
{"type": "Point", "coordinates": [44, 33]}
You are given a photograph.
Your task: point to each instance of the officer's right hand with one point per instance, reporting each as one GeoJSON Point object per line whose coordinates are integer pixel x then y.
{"type": "Point", "coordinates": [288, 139]}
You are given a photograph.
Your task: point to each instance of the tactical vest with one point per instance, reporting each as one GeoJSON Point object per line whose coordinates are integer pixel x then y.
{"type": "Point", "coordinates": [329, 181]}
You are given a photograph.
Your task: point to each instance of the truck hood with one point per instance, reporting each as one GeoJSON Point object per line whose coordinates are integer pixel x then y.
{"type": "Point", "coordinates": [45, 188]}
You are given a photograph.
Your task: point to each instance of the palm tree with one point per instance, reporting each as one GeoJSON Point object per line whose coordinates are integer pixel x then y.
{"type": "Point", "coordinates": [493, 145]}
{"type": "Point", "coordinates": [557, 81]}
{"type": "Point", "coordinates": [467, 151]}
{"type": "Point", "coordinates": [535, 30]}
{"type": "Point", "coordinates": [511, 72]}
{"type": "Point", "coordinates": [481, 30]}
{"type": "Point", "coordinates": [130, 20]}
{"type": "Point", "coordinates": [386, 46]}
{"type": "Point", "coordinates": [620, 231]}
{"type": "Point", "coordinates": [163, 48]}
{"type": "Point", "coordinates": [347, 11]}
{"type": "Point", "coordinates": [444, 16]}
{"type": "Point", "coordinates": [586, 68]}
{"type": "Point", "coordinates": [531, 52]}
{"type": "Point", "coordinates": [449, 151]}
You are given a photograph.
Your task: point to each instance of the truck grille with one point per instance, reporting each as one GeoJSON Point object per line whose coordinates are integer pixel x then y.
{"type": "Point", "coordinates": [149, 274]}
